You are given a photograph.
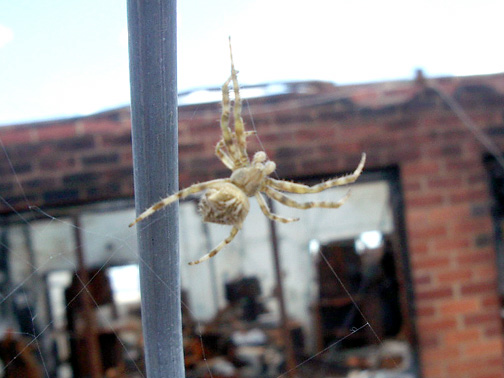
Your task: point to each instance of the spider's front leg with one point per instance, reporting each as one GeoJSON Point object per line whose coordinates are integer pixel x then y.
{"type": "Point", "coordinates": [193, 189]}
{"type": "Point", "coordinates": [282, 198]}
{"type": "Point", "coordinates": [227, 137]}
{"type": "Point", "coordinates": [237, 110]}
{"type": "Point", "coordinates": [293, 187]}
{"type": "Point", "coordinates": [216, 250]}
{"type": "Point", "coordinates": [222, 153]}
{"type": "Point", "coordinates": [266, 211]}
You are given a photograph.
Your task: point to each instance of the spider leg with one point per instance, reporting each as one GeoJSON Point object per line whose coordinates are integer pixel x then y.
{"type": "Point", "coordinates": [265, 209]}
{"type": "Point", "coordinates": [293, 187]}
{"type": "Point", "coordinates": [238, 120]}
{"type": "Point", "coordinates": [174, 197]}
{"type": "Point", "coordinates": [216, 250]}
{"type": "Point", "coordinates": [224, 123]}
{"type": "Point", "coordinates": [282, 198]}
{"type": "Point", "coordinates": [222, 153]}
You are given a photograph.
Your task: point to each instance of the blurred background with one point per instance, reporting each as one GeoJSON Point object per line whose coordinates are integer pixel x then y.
{"type": "Point", "coordinates": [405, 280]}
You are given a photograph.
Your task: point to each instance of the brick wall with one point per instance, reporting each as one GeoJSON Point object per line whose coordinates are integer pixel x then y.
{"type": "Point", "coordinates": [447, 198]}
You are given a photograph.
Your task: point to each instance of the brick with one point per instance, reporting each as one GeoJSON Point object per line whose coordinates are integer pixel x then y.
{"type": "Point", "coordinates": [491, 302]}
{"type": "Point", "coordinates": [39, 184]}
{"type": "Point", "coordinates": [435, 294]}
{"type": "Point", "coordinates": [437, 325]}
{"type": "Point", "coordinates": [119, 173]}
{"type": "Point", "coordinates": [464, 336]}
{"type": "Point", "coordinates": [425, 200]}
{"type": "Point", "coordinates": [429, 341]}
{"type": "Point", "coordinates": [16, 134]}
{"type": "Point", "coordinates": [116, 140]}
{"type": "Point", "coordinates": [451, 276]}
{"type": "Point", "coordinates": [444, 214]}
{"type": "Point", "coordinates": [56, 132]}
{"type": "Point", "coordinates": [127, 156]}
{"type": "Point", "coordinates": [463, 226]}
{"type": "Point", "coordinates": [466, 366]}
{"type": "Point", "coordinates": [419, 247]}
{"type": "Point", "coordinates": [103, 191]}
{"type": "Point", "coordinates": [75, 144]}
{"type": "Point", "coordinates": [482, 256]}
{"type": "Point", "coordinates": [484, 348]}
{"type": "Point", "coordinates": [56, 164]}
{"type": "Point", "coordinates": [425, 311]}
{"type": "Point", "coordinates": [444, 182]}
{"type": "Point", "coordinates": [465, 165]}
{"type": "Point", "coordinates": [434, 371]}
{"type": "Point", "coordinates": [451, 244]}
{"type": "Point", "coordinates": [402, 155]}
{"type": "Point", "coordinates": [190, 148]}
{"type": "Point", "coordinates": [440, 354]}
{"type": "Point", "coordinates": [313, 133]}
{"type": "Point", "coordinates": [483, 273]}
{"type": "Point", "coordinates": [99, 125]}
{"type": "Point", "coordinates": [428, 232]}
{"type": "Point", "coordinates": [468, 195]}
{"type": "Point", "coordinates": [100, 159]}
{"type": "Point", "coordinates": [492, 330]}
{"type": "Point", "coordinates": [420, 168]}
{"type": "Point", "coordinates": [497, 374]}
{"type": "Point", "coordinates": [412, 186]}
{"type": "Point", "coordinates": [431, 262]}
{"type": "Point", "coordinates": [424, 279]}
{"type": "Point", "coordinates": [460, 306]}
{"type": "Point", "coordinates": [416, 217]}
{"type": "Point", "coordinates": [80, 178]}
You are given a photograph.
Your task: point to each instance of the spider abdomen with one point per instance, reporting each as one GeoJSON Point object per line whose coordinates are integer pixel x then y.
{"type": "Point", "coordinates": [224, 204]}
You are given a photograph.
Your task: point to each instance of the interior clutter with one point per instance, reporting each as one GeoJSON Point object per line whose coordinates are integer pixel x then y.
{"type": "Point", "coordinates": [243, 341]}
{"type": "Point", "coordinates": [358, 323]}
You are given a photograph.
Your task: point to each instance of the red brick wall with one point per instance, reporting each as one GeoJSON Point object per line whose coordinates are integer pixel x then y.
{"type": "Point", "coordinates": [447, 198]}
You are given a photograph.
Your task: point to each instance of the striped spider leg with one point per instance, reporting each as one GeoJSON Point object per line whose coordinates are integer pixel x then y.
{"type": "Point", "coordinates": [293, 187]}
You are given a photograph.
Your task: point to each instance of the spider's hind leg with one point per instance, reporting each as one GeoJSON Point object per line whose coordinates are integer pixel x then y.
{"type": "Point", "coordinates": [217, 249]}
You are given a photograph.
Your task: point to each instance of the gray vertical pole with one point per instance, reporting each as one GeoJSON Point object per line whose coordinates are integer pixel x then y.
{"type": "Point", "coordinates": [152, 51]}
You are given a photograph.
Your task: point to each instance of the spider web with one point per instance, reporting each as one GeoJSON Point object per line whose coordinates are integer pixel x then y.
{"type": "Point", "coordinates": [43, 327]}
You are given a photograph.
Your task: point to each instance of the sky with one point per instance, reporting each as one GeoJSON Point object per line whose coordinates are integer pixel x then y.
{"type": "Point", "coordinates": [66, 58]}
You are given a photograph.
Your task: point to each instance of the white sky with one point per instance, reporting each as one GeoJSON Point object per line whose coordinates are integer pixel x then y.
{"type": "Point", "coordinates": [60, 58]}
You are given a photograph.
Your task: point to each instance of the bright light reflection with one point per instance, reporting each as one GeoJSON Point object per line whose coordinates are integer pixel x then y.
{"type": "Point", "coordinates": [368, 240]}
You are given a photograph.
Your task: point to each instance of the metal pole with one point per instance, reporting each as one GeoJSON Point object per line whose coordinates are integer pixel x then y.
{"type": "Point", "coordinates": [153, 77]}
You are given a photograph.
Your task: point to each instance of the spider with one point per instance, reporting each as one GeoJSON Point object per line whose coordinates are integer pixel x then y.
{"type": "Point", "coordinates": [225, 201]}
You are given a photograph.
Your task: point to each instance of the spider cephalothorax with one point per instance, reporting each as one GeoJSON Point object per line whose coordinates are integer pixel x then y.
{"type": "Point", "coordinates": [225, 201]}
